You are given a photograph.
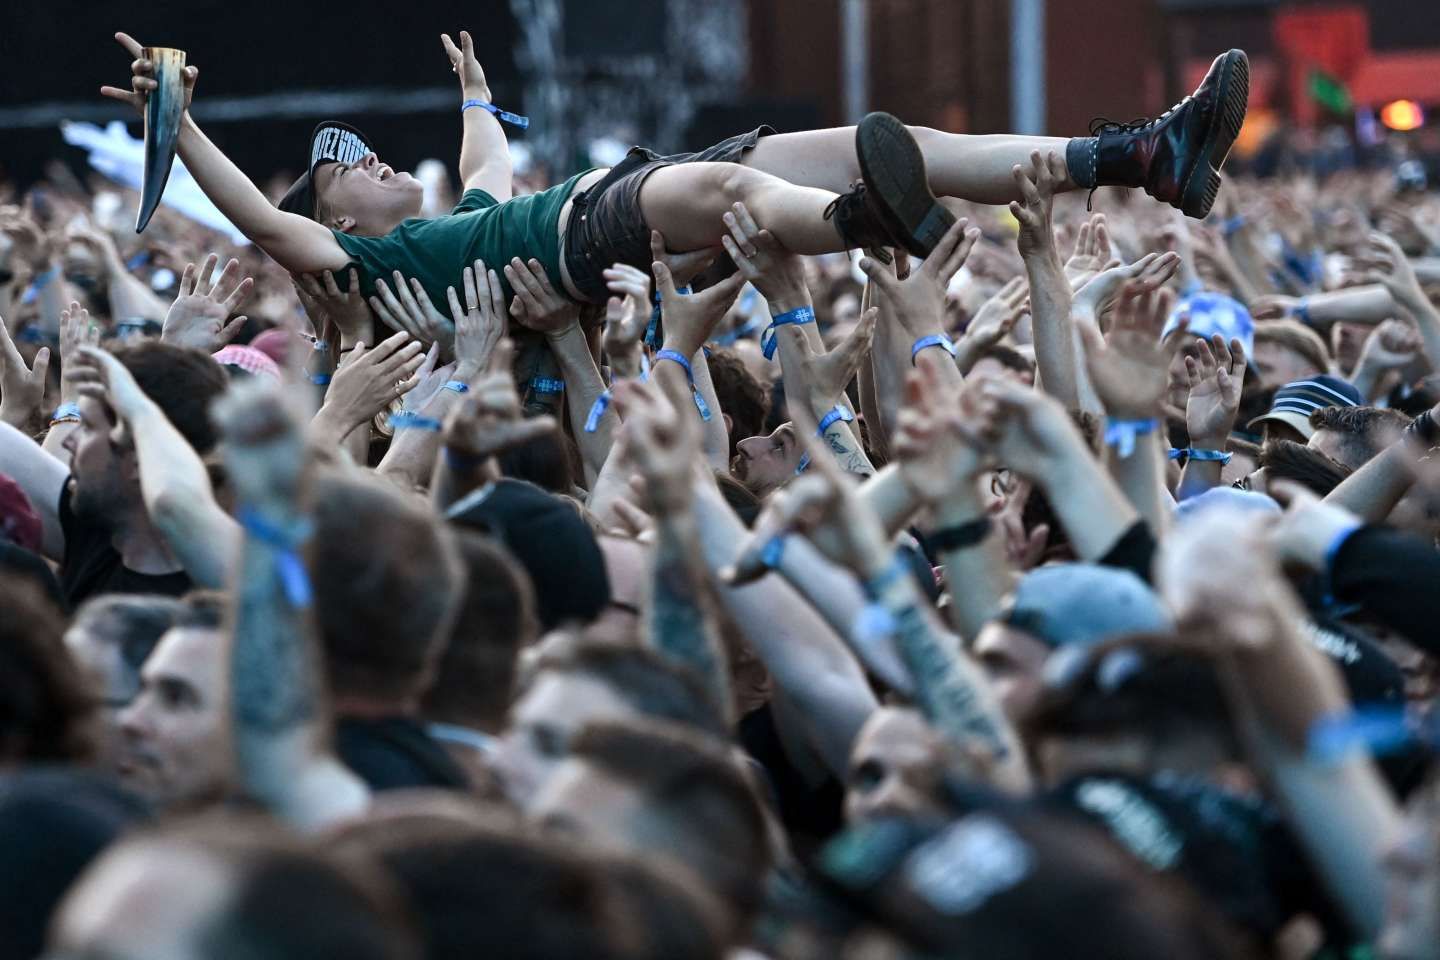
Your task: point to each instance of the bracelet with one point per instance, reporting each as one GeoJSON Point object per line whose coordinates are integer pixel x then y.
{"type": "Point", "coordinates": [804, 463]}
{"type": "Point", "coordinates": [837, 412]}
{"type": "Point", "coordinates": [894, 573]}
{"type": "Point", "coordinates": [874, 622]}
{"type": "Point", "coordinates": [319, 344]}
{"type": "Point", "coordinates": [961, 535]}
{"type": "Point", "coordinates": [1424, 429]}
{"type": "Point", "coordinates": [934, 340]}
{"type": "Point", "coordinates": [320, 379]}
{"type": "Point", "coordinates": [1194, 453]}
{"type": "Point", "coordinates": [773, 551]}
{"type": "Point", "coordinates": [597, 410]}
{"type": "Point", "coordinates": [1302, 311]}
{"type": "Point", "coordinates": [680, 358]}
{"type": "Point", "coordinates": [797, 317]}
{"type": "Point", "coordinates": [514, 119]}
{"type": "Point", "coordinates": [39, 283]}
{"type": "Point", "coordinates": [285, 542]}
{"type": "Point", "coordinates": [66, 413]}
{"type": "Point", "coordinates": [1121, 434]}
{"type": "Point", "coordinates": [413, 421]}
{"type": "Point", "coordinates": [462, 462]}
{"type": "Point", "coordinates": [652, 331]}
{"type": "Point", "coordinates": [456, 386]}
{"type": "Point", "coordinates": [547, 385]}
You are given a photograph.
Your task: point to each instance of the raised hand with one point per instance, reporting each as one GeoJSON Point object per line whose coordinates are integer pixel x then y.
{"type": "Point", "coordinates": [940, 440]}
{"type": "Point", "coordinates": [537, 304]}
{"type": "Point", "coordinates": [1274, 306]}
{"type": "Point", "coordinates": [662, 442]}
{"type": "Point", "coordinates": [626, 315]}
{"type": "Point", "coordinates": [683, 267]}
{"type": "Point", "coordinates": [1388, 265]}
{"type": "Point", "coordinates": [824, 376]}
{"type": "Point", "coordinates": [777, 273]}
{"type": "Point", "coordinates": [1391, 345]}
{"type": "Point", "coordinates": [22, 387]}
{"type": "Point", "coordinates": [26, 240]}
{"type": "Point", "coordinates": [1103, 292]}
{"type": "Point", "coordinates": [690, 319]}
{"type": "Point", "coordinates": [197, 318]}
{"type": "Point", "coordinates": [993, 321]}
{"type": "Point", "coordinates": [323, 300]}
{"type": "Point", "coordinates": [1037, 189]}
{"type": "Point", "coordinates": [370, 380]}
{"type": "Point", "coordinates": [488, 420]}
{"type": "Point", "coordinates": [465, 67]}
{"type": "Point", "coordinates": [1031, 431]}
{"type": "Point", "coordinates": [142, 77]}
{"type": "Point", "coordinates": [76, 330]}
{"type": "Point", "coordinates": [1131, 369]}
{"type": "Point", "coordinates": [95, 373]}
{"type": "Point", "coordinates": [1092, 250]}
{"type": "Point", "coordinates": [481, 325]}
{"type": "Point", "coordinates": [1214, 375]}
{"type": "Point", "coordinates": [409, 309]}
{"type": "Point", "coordinates": [918, 302]}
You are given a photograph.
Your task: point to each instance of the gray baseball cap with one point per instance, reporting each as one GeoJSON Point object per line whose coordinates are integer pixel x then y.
{"type": "Point", "coordinates": [1066, 604]}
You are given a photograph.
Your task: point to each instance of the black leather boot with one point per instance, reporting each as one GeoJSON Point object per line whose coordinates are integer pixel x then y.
{"type": "Point", "coordinates": [897, 189]}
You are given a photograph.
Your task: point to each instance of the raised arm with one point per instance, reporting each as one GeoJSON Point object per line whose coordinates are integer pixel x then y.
{"type": "Point", "coordinates": [484, 153]}
{"type": "Point", "coordinates": [1056, 349]}
{"type": "Point", "coordinates": [297, 243]}
{"type": "Point", "coordinates": [280, 717]}
{"type": "Point", "coordinates": [1215, 377]}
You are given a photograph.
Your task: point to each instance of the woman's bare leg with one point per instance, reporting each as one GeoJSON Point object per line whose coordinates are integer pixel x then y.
{"type": "Point", "coordinates": [973, 168]}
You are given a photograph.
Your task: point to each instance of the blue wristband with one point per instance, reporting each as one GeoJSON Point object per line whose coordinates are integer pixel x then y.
{"type": "Point", "coordinates": [38, 284]}
{"type": "Point", "coordinates": [837, 412]}
{"type": "Point", "coordinates": [1302, 311]}
{"type": "Point", "coordinates": [1122, 434]}
{"type": "Point", "coordinates": [66, 413]}
{"type": "Point", "coordinates": [514, 119]}
{"type": "Point", "coordinates": [285, 543]}
{"type": "Point", "coordinates": [1232, 225]}
{"type": "Point", "coordinates": [803, 465]}
{"type": "Point", "coordinates": [894, 573]}
{"type": "Point", "coordinates": [405, 420]}
{"type": "Point", "coordinates": [797, 317]}
{"type": "Point", "coordinates": [934, 340]}
{"type": "Point", "coordinates": [456, 386]}
{"type": "Point", "coordinates": [773, 551]}
{"type": "Point", "coordinates": [597, 410]}
{"type": "Point", "coordinates": [652, 332]}
{"type": "Point", "coordinates": [547, 385]}
{"type": "Point", "coordinates": [1202, 456]}
{"type": "Point", "coordinates": [873, 623]}
{"type": "Point", "coordinates": [680, 358]}
{"type": "Point", "coordinates": [320, 379]}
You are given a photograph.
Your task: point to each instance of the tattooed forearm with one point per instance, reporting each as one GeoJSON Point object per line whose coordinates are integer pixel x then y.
{"type": "Point", "coordinates": [947, 697]}
{"type": "Point", "coordinates": [848, 453]}
{"type": "Point", "coordinates": [682, 621]}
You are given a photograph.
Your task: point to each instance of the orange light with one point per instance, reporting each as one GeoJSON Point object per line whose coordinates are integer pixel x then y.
{"type": "Point", "coordinates": [1402, 115]}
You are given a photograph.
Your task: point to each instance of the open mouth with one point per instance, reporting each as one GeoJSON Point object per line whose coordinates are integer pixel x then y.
{"type": "Point", "coordinates": [384, 172]}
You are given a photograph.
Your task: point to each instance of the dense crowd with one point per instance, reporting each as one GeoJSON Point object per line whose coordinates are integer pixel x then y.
{"type": "Point", "coordinates": [1049, 573]}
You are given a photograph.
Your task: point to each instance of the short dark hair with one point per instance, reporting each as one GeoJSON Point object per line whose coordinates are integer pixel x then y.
{"type": "Point", "coordinates": [548, 461]}
{"type": "Point", "coordinates": [741, 396]}
{"type": "Point", "coordinates": [181, 382]}
{"type": "Point", "coordinates": [1288, 460]}
{"type": "Point", "coordinates": [496, 620]}
{"type": "Point", "coordinates": [1361, 430]}
{"type": "Point", "coordinates": [696, 799]}
{"type": "Point", "coordinates": [134, 622]}
{"type": "Point", "coordinates": [645, 680]}
{"type": "Point", "coordinates": [388, 579]}
{"type": "Point", "coordinates": [203, 609]}
{"type": "Point", "coordinates": [1007, 357]}
{"type": "Point", "coordinates": [45, 708]}
{"type": "Point", "coordinates": [479, 889]}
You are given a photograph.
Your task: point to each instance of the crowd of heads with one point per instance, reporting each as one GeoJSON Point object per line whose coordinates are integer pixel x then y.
{"type": "Point", "coordinates": [1159, 680]}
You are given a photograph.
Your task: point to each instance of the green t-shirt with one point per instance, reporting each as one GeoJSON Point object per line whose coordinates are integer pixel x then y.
{"type": "Point", "coordinates": [436, 251]}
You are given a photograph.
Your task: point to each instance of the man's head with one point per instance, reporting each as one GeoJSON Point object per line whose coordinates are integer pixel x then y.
{"type": "Point", "coordinates": [766, 463]}
{"type": "Point", "coordinates": [661, 790]}
{"type": "Point", "coordinates": [103, 466]}
{"type": "Point", "coordinates": [496, 620]}
{"type": "Point", "coordinates": [230, 889]}
{"type": "Point", "coordinates": [896, 767]}
{"type": "Point", "coordinates": [388, 581]}
{"type": "Point", "coordinates": [1005, 363]}
{"type": "Point", "coordinates": [348, 189]}
{"type": "Point", "coordinates": [1286, 351]}
{"type": "Point", "coordinates": [1060, 605]}
{"type": "Point", "coordinates": [1352, 435]}
{"type": "Point", "coordinates": [1288, 417]}
{"type": "Point", "coordinates": [590, 683]}
{"type": "Point", "coordinates": [110, 638]}
{"type": "Point", "coordinates": [176, 732]}
{"type": "Point", "coordinates": [1288, 460]}
{"type": "Point", "coordinates": [744, 402]}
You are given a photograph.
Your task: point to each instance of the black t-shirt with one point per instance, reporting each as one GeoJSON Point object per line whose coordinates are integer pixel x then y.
{"type": "Point", "coordinates": [811, 814]}
{"type": "Point", "coordinates": [93, 566]}
{"type": "Point", "coordinates": [391, 753]}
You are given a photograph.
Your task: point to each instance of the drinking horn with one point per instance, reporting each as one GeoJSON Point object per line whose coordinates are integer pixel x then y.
{"type": "Point", "coordinates": [162, 127]}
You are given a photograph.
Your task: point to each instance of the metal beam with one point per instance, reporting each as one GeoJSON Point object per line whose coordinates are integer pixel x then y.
{"type": "Point", "coordinates": [1027, 67]}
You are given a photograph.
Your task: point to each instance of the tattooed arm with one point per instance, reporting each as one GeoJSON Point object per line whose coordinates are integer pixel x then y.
{"type": "Point", "coordinates": [681, 616]}
{"type": "Point", "coordinates": [280, 723]}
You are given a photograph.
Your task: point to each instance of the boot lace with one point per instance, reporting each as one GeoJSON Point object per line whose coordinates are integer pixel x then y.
{"type": "Point", "coordinates": [848, 210]}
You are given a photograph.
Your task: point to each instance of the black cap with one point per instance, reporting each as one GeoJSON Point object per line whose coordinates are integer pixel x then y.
{"type": "Point", "coordinates": [332, 142]}
{"type": "Point", "coordinates": [551, 541]}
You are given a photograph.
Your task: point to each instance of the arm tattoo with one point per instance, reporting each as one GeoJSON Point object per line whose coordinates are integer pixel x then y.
{"type": "Point", "coordinates": [272, 668]}
{"type": "Point", "coordinates": [682, 624]}
{"type": "Point", "coordinates": [851, 460]}
{"type": "Point", "coordinates": [947, 697]}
